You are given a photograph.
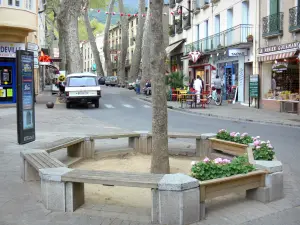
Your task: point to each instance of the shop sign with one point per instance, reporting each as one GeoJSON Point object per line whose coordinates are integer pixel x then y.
{"type": "Point", "coordinates": [32, 47]}
{"type": "Point", "coordinates": [8, 50]}
{"type": "Point", "coordinates": [25, 97]}
{"type": "Point", "coordinates": [295, 45]}
{"type": "Point", "coordinates": [237, 52]}
{"type": "Point", "coordinates": [279, 67]}
{"type": "Point", "coordinates": [253, 86]}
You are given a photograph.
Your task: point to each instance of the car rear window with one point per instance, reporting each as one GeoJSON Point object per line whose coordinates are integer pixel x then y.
{"type": "Point", "coordinates": [84, 81]}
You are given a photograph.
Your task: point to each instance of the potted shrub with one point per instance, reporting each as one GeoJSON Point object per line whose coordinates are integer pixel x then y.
{"type": "Point", "coordinates": [250, 38]}
{"type": "Point", "coordinates": [263, 150]}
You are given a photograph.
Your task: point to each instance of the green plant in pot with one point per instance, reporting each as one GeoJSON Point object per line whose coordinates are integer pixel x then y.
{"type": "Point", "coordinates": [175, 79]}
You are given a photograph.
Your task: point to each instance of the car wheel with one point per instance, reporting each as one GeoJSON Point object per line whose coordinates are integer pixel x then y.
{"type": "Point", "coordinates": [68, 105]}
{"type": "Point", "coordinates": [96, 104]}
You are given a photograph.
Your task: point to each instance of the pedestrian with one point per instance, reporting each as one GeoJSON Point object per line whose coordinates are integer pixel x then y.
{"type": "Point", "coordinates": [218, 84]}
{"type": "Point", "coordinates": [198, 87]}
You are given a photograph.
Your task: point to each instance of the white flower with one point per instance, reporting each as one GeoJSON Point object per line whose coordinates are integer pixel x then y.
{"type": "Point", "coordinates": [193, 163]}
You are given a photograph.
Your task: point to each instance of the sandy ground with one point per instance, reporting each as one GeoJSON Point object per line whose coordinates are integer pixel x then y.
{"type": "Point", "coordinates": [127, 196]}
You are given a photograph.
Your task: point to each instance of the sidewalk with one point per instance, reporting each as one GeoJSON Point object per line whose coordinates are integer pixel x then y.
{"type": "Point", "coordinates": [236, 112]}
{"type": "Point", "coordinates": [20, 202]}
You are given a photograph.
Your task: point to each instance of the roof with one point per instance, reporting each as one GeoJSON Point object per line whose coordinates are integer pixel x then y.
{"type": "Point", "coordinates": [81, 74]}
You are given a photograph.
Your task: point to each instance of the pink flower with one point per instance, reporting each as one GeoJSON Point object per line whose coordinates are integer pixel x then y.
{"type": "Point", "coordinates": [253, 138]}
{"type": "Point", "coordinates": [222, 130]}
{"type": "Point", "coordinates": [232, 134]}
{"type": "Point", "coordinates": [244, 134]}
{"type": "Point", "coordinates": [206, 160]}
{"type": "Point", "coordinates": [218, 160]}
{"type": "Point", "coordinates": [270, 146]}
{"type": "Point", "coordinates": [226, 161]}
{"type": "Point", "coordinates": [256, 143]}
{"type": "Point", "coordinates": [193, 163]}
{"type": "Point", "coordinates": [257, 147]}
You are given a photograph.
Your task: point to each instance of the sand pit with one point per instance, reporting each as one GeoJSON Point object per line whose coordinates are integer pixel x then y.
{"type": "Point", "coordinates": [127, 196]}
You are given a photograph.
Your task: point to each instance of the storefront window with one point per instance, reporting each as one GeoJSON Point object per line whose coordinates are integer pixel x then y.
{"type": "Point", "coordinates": [282, 80]}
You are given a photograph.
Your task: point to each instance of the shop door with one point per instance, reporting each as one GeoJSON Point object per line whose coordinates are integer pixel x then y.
{"type": "Point", "coordinates": [228, 81]}
{"type": "Point", "coordinates": [7, 82]}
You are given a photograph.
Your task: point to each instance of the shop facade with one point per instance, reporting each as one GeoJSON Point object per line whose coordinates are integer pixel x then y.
{"type": "Point", "coordinates": [279, 68]}
{"type": "Point", "coordinates": [18, 26]}
{"type": "Point", "coordinates": [234, 66]}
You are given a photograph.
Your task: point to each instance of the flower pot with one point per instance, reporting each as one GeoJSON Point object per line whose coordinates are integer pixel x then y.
{"type": "Point", "coordinates": [228, 147]}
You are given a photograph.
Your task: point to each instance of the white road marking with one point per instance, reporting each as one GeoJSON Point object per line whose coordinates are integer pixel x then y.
{"type": "Point", "coordinates": [147, 106]}
{"type": "Point", "coordinates": [109, 106]}
{"type": "Point", "coordinates": [128, 106]}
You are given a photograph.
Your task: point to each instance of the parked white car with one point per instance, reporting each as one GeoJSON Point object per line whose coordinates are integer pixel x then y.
{"type": "Point", "coordinates": [82, 88]}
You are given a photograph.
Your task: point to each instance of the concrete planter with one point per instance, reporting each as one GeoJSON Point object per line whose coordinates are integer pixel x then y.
{"type": "Point", "coordinates": [228, 147]}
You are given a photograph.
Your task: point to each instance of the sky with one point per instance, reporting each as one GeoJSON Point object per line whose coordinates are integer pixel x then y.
{"type": "Point", "coordinates": [131, 6]}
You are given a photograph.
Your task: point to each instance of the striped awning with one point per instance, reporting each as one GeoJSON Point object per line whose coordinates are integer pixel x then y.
{"type": "Point", "coordinates": [272, 56]}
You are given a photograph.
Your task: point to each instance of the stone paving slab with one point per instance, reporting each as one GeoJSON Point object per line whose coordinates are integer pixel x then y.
{"type": "Point", "coordinates": [236, 112]}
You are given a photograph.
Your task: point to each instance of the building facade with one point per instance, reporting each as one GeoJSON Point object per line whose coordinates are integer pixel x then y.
{"type": "Point", "coordinates": [18, 27]}
{"type": "Point", "coordinates": [210, 37]}
{"type": "Point", "coordinates": [88, 57]}
{"type": "Point", "coordinates": [278, 55]}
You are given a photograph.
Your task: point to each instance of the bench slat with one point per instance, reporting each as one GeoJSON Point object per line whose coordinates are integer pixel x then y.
{"type": "Point", "coordinates": [51, 160]}
{"type": "Point", "coordinates": [33, 162]}
{"type": "Point", "coordinates": [42, 162]}
{"type": "Point", "coordinates": [114, 136]}
{"type": "Point", "coordinates": [142, 180]}
{"type": "Point", "coordinates": [62, 143]}
{"type": "Point", "coordinates": [184, 135]}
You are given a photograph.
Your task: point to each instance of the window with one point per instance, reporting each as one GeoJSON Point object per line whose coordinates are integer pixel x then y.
{"type": "Point", "coordinates": [10, 2]}
{"type": "Point", "coordinates": [84, 81]}
{"type": "Point", "coordinates": [18, 3]}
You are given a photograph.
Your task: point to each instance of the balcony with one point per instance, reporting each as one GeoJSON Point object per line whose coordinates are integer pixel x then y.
{"type": "Point", "coordinates": [294, 18]}
{"type": "Point", "coordinates": [18, 18]}
{"type": "Point", "coordinates": [272, 25]}
{"type": "Point", "coordinates": [172, 3]}
{"type": "Point", "coordinates": [234, 36]}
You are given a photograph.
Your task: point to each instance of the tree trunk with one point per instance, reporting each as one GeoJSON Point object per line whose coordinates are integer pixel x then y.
{"type": "Point", "coordinates": [106, 46]}
{"type": "Point", "coordinates": [124, 44]}
{"type": "Point", "coordinates": [160, 154]}
{"type": "Point", "coordinates": [146, 50]}
{"type": "Point", "coordinates": [93, 44]}
{"type": "Point", "coordinates": [136, 60]}
{"type": "Point", "coordinates": [61, 46]}
{"type": "Point", "coordinates": [69, 13]}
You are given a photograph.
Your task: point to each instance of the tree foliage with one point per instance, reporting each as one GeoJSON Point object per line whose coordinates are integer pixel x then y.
{"type": "Point", "coordinates": [96, 26]}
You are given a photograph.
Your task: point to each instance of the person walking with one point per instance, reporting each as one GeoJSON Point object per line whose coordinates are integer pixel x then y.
{"type": "Point", "coordinates": [198, 87]}
{"type": "Point", "coordinates": [218, 84]}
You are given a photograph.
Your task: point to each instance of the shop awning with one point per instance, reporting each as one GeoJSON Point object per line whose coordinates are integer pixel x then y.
{"type": "Point", "coordinates": [172, 47]}
{"type": "Point", "coordinates": [280, 55]}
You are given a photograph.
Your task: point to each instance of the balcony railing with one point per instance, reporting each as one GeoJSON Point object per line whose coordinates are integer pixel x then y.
{"type": "Point", "coordinates": [233, 36]}
{"type": "Point", "coordinates": [294, 18]}
{"type": "Point", "coordinates": [272, 25]}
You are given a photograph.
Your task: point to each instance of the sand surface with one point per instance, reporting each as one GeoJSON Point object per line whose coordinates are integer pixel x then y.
{"type": "Point", "coordinates": [127, 196]}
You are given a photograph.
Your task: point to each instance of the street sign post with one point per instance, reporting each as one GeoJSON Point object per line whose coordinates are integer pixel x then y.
{"type": "Point", "coordinates": [25, 97]}
{"type": "Point", "coordinates": [254, 88]}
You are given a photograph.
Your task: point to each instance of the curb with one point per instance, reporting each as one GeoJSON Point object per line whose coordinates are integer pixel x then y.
{"type": "Point", "coordinates": [224, 117]}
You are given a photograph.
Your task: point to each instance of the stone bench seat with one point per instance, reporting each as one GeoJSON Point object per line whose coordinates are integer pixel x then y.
{"type": "Point", "coordinates": [141, 180]}
{"type": "Point", "coordinates": [62, 143]}
{"type": "Point", "coordinates": [175, 197]}
{"type": "Point", "coordinates": [32, 162]}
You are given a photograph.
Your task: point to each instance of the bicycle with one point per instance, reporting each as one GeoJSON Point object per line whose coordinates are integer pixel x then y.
{"type": "Point", "coordinates": [215, 96]}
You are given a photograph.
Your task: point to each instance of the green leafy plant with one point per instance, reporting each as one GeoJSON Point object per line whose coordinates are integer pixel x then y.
{"type": "Point", "coordinates": [263, 150]}
{"type": "Point", "coordinates": [218, 168]}
{"type": "Point", "coordinates": [175, 79]}
{"type": "Point", "coordinates": [236, 137]}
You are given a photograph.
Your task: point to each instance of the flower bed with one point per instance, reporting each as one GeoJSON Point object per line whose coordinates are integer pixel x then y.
{"type": "Point", "coordinates": [236, 144]}
{"type": "Point", "coordinates": [218, 168]}
{"type": "Point", "coordinates": [221, 176]}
